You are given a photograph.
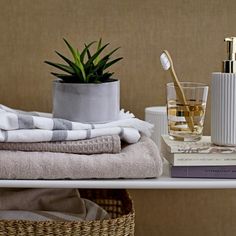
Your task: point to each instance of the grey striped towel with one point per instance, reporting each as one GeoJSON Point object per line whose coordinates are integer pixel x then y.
{"type": "Point", "coordinates": [102, 144]}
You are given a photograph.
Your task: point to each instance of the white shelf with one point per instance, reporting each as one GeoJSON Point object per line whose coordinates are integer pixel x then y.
{"type": "Point", "coordinates": [164, 182]}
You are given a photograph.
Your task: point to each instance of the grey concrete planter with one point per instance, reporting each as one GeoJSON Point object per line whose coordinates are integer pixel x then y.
{"type": "Point", "coordinates": [87, 103]}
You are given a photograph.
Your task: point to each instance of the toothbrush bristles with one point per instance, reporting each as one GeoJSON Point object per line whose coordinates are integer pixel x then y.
{"type": "Point", "coordinates": [165, 61]}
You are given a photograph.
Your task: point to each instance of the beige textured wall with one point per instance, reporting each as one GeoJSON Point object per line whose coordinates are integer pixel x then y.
{"type": "Point", "coordinates": [193, 31]}
{"type": "Point", "coordinates": [185, 212]}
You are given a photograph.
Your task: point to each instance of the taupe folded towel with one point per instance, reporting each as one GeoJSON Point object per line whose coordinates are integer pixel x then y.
{"type": "Point", "coordinates": [102, 144]}
{"type": "Point", "coordinates": [139, 160]}
{"type": "Point", "coordinates": [48, 204]}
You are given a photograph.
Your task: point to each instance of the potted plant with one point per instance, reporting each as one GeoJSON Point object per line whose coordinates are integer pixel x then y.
{"type": "Point", "coordinates": [86, 92]}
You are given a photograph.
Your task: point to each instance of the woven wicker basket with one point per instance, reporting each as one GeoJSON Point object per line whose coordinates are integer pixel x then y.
{"type": "Point", "coordinates": [116, 202]}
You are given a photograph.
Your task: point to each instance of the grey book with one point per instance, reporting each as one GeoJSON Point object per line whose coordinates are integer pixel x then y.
{"type": "Point", "coordinates": [215, 172]}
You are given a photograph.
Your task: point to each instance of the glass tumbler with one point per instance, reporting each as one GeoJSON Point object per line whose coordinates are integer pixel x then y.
{"type": "Point", "coordinates": [180, 115]}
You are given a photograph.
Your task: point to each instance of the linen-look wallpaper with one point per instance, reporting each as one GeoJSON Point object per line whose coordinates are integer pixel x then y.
{"type": "Point", "coordinates": [193, 31]}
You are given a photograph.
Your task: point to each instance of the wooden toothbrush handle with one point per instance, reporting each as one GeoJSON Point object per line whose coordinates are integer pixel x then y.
{"type": "Point", "coordinates": [182, 98]}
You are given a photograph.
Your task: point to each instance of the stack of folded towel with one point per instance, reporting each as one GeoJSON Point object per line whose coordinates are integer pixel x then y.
{"type": "Point", "coordinates": [34, 145]}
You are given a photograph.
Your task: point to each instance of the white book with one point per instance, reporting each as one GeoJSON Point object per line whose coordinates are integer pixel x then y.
{"type": "Point", "coordinates": [200, 153]}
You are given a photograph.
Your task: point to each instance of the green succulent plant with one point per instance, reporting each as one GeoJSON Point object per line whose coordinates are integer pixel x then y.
{"type": "Point", "coordinates": [85, 66]}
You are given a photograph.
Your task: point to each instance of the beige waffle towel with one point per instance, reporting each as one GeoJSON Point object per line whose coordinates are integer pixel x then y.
{"type": "Point", "coordinates": [102, 144]}
{"type": "Point", "coordinates": [139, 160]}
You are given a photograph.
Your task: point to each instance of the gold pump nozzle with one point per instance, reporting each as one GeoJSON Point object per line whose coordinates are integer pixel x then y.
{"type": "Point", "coordinates": [229, 65]}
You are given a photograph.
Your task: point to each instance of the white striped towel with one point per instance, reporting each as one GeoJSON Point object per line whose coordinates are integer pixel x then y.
{"type": "Point", "coordinates": [20, 126]}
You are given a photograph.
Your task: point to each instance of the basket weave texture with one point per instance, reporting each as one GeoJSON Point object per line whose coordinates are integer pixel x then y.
{"type": "Point", "coordinates": [116, 202]}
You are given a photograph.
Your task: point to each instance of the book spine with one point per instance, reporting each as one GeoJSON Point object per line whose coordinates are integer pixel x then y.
{"type": "Point", "coordinates": [222, 172]}
{"type": "Point", "coordinates": [203, 159]}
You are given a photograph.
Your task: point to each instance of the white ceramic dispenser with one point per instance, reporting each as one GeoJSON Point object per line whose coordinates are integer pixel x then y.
{"type": "Point", "coordinates": [223, 102]}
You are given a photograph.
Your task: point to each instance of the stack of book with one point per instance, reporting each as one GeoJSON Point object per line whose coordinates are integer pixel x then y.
{"type": "Point", "coordinates": [200, 159]}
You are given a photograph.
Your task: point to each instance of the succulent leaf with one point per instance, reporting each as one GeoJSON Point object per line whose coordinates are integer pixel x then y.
{"type": "Point", "coordinates": [61, 66]}
{"type": "Point", "coordinates": [112, 62]}
{"type": "Point", "coordinates": [94, 56]}
{"type": "Point", "coordinates": [86, 47]}
{"type": "Point", "coordinates": [73, 52]}
{"type": "Point", "coordinates": [76, 56]}
{"type": "Point", "coordinates": [96, 60]}
{"type": "Point", "coordinates": [88, 52]}
{"type": "Point", "coordinates": [72, 64]}
{"type": "Point", "coordinates": [67, 78]}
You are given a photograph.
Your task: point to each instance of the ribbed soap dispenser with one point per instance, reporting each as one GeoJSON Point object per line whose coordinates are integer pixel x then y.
{"type": "Point", "coordinates": [223, 101]}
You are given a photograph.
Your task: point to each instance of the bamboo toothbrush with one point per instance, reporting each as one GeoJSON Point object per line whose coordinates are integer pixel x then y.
{"type": "Point", "coordinates": [167, 64]}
